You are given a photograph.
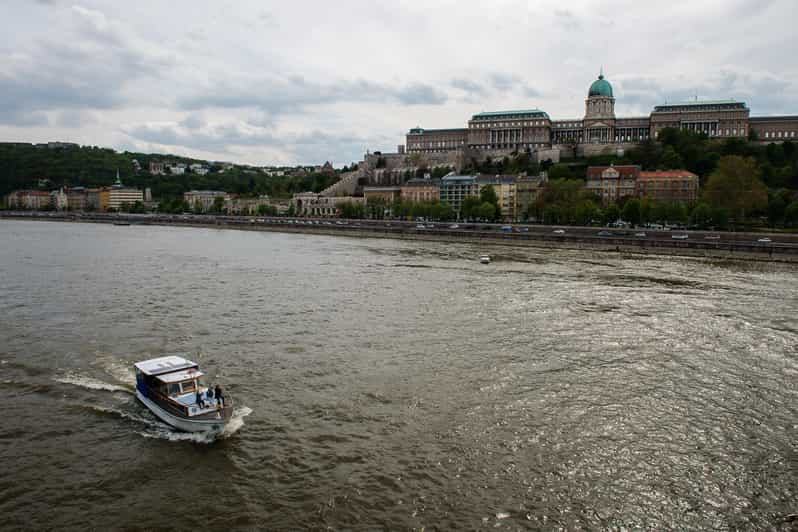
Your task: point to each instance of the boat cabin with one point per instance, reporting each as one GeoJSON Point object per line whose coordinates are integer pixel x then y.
{"type": "Point", "coordinates": [173, 382]}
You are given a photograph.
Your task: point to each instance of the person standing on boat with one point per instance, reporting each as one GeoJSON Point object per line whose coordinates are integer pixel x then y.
{"type": "Point", "coordinates": [200, 402]}
{"type": "Point", "coordinates": [209, 394]}
{"type": "Point", "coordinates": [219, 396]}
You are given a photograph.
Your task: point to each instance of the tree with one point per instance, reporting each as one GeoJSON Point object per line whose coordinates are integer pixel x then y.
{"type": "Point", "coordinates": [791, 214]}
{"type": "Point", "coordinates": [631, 211]}
{"type": "Point", "coordinates": [611, 213]}
{"type": "Point", "coordinates": [736, 185]}
{"type": "Point", "coordinates": [776, 210]}
{"type": "Point", "coordinates": [671, 160]}
{"type": "Point", "coordinates": [488, 195]}
{"type": "Point", "coordinates": [488, 211]}
{"type": "Point", "coordinates": [560, 171]}
{"type": "Point", "coordinates": [218, 205]}
{"type": "Point", "coordinates": [701, 215]}
{"type": "Point", "coordinates": [470, 207]}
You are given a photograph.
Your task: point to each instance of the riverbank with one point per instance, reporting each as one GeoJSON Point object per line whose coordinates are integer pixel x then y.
{"type": "Point", "coordinates": [730, 246]}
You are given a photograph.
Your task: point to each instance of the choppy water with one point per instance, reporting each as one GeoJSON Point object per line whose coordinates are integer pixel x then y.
{"type": "Point", "coordinates": [394, 385]}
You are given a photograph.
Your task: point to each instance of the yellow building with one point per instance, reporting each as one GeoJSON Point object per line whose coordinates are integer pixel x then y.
{"type": "Point", "coordinates": [98, 199]}
{"type": "Point", "coordinates": [505, 188]}
{"type": "Point", "coordinates": [527, 191]}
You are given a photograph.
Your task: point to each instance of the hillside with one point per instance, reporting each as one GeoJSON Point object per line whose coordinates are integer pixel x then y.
{"type": "Point", "coordinates": [25, 165]}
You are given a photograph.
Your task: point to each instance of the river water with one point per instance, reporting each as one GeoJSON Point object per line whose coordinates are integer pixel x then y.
{"type": "Point", "coordinates": [386, 384]}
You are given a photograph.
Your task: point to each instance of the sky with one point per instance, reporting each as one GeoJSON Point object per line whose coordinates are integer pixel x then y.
{"type": "Point", "coordinates": [302, 82]}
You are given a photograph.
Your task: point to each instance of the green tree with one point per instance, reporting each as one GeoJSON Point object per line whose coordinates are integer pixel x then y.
{"type": "Point", "coordinates": [612, 213]}
{"type": "Point", "coordinates": [488, 195]}
{"type": "Point", "coordinates": [671, 160]}
{"type": "Point", "coordinates": [218, 205]}
{"type": "Point", "coordinates": [560, 171]}
{"type": "Point", "coordinates": [488, 211]}
{"type": "Point", "coordinates": [736, 186]}
{"type": "Point", "coordinates": [631, 211]}
{"type": "Point", "coordinates": [791, 214]}
{"type": "Point", "coordinates": [701, 215]}
{"type": "Point", "coordinates": [470, 208]}
{"type": "Point", "coordinates": [776, 210]}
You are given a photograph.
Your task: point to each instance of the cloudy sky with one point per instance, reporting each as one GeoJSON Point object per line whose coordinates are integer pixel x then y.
{"type": "Point", "coordinates": [284, 82]}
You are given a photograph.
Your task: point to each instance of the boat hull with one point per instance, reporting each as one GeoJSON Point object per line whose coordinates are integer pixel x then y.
{"type": "Point", "coordinates": [186, 425]}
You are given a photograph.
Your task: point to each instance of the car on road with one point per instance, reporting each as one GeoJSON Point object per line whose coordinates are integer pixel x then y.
{"type": "Point", "coordinates": [764, 240]}
{"type": "Point", "coordinates": [454, 226]}
{"type": "Point", "coordinates": [420, 226]}
{"type": "Point", "coordinates": [559, 231]}
{"type": "Point", "coordinates": [507, 228]}
{"type": "Point", "coordinates": [640, 235]}
{"type": "Point", "coordinates": [604, 233]}
{"type": "Point", "coordinates": [712, 237]}
{"type": "Point", "coordinates": [679, 237]}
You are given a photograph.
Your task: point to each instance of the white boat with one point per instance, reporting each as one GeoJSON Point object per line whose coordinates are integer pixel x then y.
{"type": "Point", "coordinates": [171, 387]}
{"type": "Point", "coordinates": [484, 259]}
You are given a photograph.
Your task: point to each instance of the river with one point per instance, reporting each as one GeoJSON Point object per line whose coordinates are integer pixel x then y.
{"type": "Point", "coordinates": [385, 384]}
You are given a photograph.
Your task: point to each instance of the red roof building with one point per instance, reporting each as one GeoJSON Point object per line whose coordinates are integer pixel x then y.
{"type": "Point", "coordinates": [679, 186]}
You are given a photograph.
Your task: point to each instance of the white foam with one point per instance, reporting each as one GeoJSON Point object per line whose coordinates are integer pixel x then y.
{"type": "Point", "coordinates": [236, 421]}
{"type": "Point", "coordinates": [92, 384]}
{"type": "Point", "coordinates": [165, 432]}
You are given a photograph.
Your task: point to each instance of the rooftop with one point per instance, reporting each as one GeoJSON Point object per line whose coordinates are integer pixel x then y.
{"type": "Point", "coordinates": [167, 364]}
{"type": "Point", "coordinates": [536, 113]}
{"type": "Point", "coordinates": [666, 173]}
{"type": "Point", "coordinates": [701, 103]}
{"type": "Point", "coordinates": [179, 376]}
{"type": "Point", "coordinates": [453, 178]}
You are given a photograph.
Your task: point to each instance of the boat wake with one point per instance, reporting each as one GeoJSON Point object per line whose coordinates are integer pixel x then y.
{"type": "Point", "coordinates": [165, 432]}
{"type": "Point", "coordinates": [93, 384]}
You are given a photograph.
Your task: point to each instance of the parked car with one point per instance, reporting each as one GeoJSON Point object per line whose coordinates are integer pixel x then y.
{"type": "Point", "coordinates": [420, 226]}
{"type": "Point", "coordinates": [454, 226]}
{"type": "Point", "coordinates": [507, 228]}
{"type": "Point", "coordinates": [559, 231]}
{"type": "Point", "coordinates": [640, 235]}
{"type": "Point", "coordinates": [604, 233]}
{"type": "Point", "coordinates": [679, 237]}
{"type": "Point", "coordinates": [712, 237]}
{"type": "Point", "coordinates": [764, 240]}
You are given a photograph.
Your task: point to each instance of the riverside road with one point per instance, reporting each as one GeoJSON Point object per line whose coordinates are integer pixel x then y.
{"type": "Point", "coordinates": [782, 246]}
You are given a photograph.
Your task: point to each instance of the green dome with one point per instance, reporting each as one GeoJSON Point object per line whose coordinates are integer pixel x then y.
{"type": "Point", "coordinates": [600, 87]}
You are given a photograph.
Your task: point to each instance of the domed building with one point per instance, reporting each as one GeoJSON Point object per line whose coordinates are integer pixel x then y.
{"type": "Point", "coordinates": [599, 121]}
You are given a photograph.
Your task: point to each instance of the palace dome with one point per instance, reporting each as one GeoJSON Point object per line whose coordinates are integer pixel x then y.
{"type": "Point", "coordinates": [600, 87]}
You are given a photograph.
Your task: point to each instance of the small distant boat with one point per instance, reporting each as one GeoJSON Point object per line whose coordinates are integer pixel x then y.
{"type": "Point", "coordinates": [172, 388]}
{"type": "Point", "coordinates": [484, 259]}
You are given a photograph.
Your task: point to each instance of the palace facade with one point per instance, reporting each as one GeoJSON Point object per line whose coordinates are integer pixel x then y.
{"type": "Point", "coordinates": [599, 130]}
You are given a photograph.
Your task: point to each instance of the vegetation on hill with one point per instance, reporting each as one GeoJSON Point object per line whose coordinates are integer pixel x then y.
{"type": "Point", "coordinates": [25, 166]}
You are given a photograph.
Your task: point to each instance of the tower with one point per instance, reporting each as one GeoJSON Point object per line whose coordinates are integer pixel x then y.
{"type": "Point", "coordinates": [599, 120]}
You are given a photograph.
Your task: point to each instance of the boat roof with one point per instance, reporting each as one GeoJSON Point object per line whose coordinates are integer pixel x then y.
{"type": "Point", "coordinates": [179, 376]}
{"type": "Point", "coordinates": [168, 364]}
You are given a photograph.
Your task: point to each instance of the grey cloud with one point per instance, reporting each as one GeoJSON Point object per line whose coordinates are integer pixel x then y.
{"type": "Point", "coordinates": [468, 86]}
{"type": "Point", "coordinates": [293, 93]}
{"type": "Point", "coordinates": [764, 95]}
{"type": "Point", "coordinates": [567, 20]}
{"type": "Point", "coordinates": [227, 138]}
{"type": "Point", "coordinates": [89, 72]}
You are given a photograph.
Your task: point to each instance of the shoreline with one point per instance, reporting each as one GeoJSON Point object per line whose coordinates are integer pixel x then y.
{"type": "Point", "coordinates": [734, 250]}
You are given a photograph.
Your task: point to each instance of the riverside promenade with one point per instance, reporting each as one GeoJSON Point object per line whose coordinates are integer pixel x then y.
{"type": "Point", "coordinates": [782, 247]}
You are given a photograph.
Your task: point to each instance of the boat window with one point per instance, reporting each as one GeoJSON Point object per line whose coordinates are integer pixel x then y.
{"type": "Point", "coordinates": [188, 386]}
{"type": "Point", "coordinates": [174, 389]}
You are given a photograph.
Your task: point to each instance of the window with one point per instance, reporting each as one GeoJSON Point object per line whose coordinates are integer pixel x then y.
{"type": "Point", "coordinates": [187, 386]}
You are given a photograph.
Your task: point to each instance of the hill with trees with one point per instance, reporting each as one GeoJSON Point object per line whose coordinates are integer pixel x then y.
{"type": "Point", "coordinates": [26, 165]}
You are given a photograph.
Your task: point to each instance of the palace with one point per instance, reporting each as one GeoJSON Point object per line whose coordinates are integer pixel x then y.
{"type": "Point", "coordinates": [599, 130]}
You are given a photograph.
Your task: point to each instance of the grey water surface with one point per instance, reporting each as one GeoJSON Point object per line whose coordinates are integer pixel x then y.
{"type": "Point", "coordinates": [384, 384]}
